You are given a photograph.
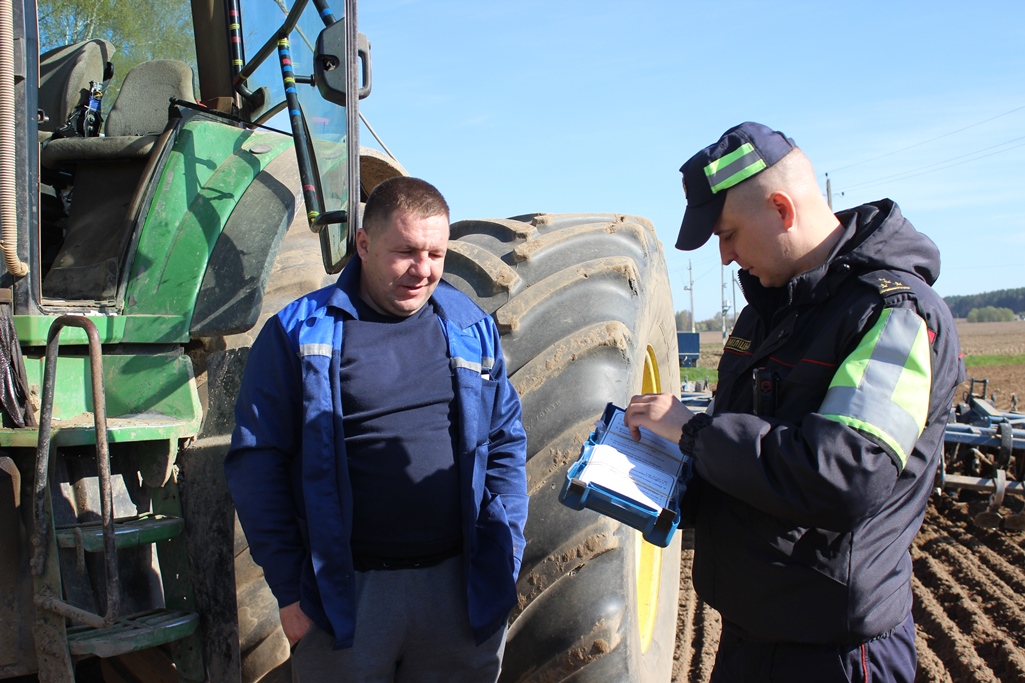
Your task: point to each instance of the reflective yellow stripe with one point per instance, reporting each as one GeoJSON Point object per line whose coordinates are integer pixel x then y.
{"type": "Point", "coordinates": [882, 389]}
{"type": "Point", "coordinates": [733, 168]}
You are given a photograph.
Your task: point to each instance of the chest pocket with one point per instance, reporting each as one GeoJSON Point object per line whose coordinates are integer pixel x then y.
{"type": "Point", "coordinates": [734, 391]}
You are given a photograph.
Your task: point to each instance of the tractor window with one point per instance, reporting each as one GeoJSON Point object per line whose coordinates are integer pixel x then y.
{"type": "Point", "coordinates": [139, 31]}
{"type": "Point", "coordinates": [260, 18]}
{"type": "Point", "coordinates": [325, 121]}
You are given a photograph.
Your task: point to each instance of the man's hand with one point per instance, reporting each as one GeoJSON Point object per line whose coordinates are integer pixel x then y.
{"type": "Point", "coordinates": [294, 623]}
{"type": "Point", "coordinates": [662, 414]}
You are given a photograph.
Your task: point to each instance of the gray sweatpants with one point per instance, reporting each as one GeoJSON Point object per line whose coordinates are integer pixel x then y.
{"type": "Point", "coordinates": [411, 626]}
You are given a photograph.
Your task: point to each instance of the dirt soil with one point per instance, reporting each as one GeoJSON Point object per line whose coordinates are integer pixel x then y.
{"type": "Point", "coordinates": [969, 582]}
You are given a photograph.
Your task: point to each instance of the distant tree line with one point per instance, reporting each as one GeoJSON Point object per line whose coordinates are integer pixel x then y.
{"type": "Point", "coordinates": [1011, 299]}
{"type": "Point", "coordinates": [990, 314]}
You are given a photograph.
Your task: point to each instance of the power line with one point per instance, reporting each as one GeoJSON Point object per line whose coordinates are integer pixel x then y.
{"type": "Point", "coordinates": [940, 165]}
{"type": "Point", "coordinates": [710, 270]}
{"type": "Point", "coordinates": [925, 142]}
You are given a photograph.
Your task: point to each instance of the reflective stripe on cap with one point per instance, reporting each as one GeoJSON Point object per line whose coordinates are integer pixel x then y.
{"type": "Point", "coordinates": [732, 168]}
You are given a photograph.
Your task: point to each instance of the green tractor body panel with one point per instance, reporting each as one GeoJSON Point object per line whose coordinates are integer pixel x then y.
{"type": "Point", "coordinates": [148, 397]}
{"type": "Point", "coordinates": [210, 167]}
{"type": "Point", "coordinates": [32, 330]}
{"type": "Point", "coordinates": [208, 170]}
{"type": "Point", "coordinates": [152, 408]}
{"type": "Point", "coordinates": [166, 239]}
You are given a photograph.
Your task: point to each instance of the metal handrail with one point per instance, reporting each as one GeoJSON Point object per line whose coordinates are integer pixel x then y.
{"type": "Point", "coordinates": [40, 534]}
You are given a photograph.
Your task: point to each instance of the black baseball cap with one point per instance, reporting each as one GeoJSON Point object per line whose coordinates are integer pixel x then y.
{"type": "Point", "coordinates": [741, 152]}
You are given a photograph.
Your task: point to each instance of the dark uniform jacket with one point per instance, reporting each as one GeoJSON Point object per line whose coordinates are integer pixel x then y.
{"type": "Point", "coordinates": [813, 480]}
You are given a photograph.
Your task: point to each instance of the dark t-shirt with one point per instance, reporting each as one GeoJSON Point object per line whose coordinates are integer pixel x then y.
{"type": "Point", "coordinates": [398, 406]}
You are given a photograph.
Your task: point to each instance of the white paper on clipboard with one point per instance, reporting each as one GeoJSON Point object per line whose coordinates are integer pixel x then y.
{"type": "Point", "coordinates": [644, 471]}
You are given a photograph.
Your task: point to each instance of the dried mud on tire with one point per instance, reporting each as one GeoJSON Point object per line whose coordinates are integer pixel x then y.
{"type": "Point", "coordinates": [969, 609]}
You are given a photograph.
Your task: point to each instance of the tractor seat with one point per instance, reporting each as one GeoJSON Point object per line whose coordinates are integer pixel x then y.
{"type": "Point", "coordinates": [137, 118]}
{"type": "Point", "coordinates": [108, 175]}
{"type": "Point", "coordinates": [64, 76]}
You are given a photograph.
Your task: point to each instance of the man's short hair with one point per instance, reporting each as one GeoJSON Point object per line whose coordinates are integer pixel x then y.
{"type": "Point", "coordinates": [415, 197]}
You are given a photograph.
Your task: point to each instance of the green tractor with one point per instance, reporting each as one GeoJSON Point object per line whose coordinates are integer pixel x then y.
{"type": "Point", "coordinates": [160, 199]}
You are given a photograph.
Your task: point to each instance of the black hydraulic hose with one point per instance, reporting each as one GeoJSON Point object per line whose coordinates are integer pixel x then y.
{"type": "Point", "coordinates": [325, 12]}
{"type": "Point", "coordinates": [307, 175]}
{"type": "Point", "coordinates": [236, 43]}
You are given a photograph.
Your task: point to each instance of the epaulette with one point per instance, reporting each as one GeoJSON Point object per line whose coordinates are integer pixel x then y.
{"type": "Point", "coordinates": [892, 286]}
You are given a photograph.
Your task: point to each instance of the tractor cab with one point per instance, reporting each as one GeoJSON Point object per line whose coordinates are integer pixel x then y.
{"type": "Point", "coordinates": [107, 119]}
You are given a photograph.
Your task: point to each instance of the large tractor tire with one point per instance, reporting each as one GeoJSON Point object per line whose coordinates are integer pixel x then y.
{"type": "Point", "coordinates": [584, 307]}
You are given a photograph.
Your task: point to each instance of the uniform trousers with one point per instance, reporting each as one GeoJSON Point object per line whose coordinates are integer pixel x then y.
{"type": "Point", "coordinates": [411, 625]}
{"type": "Point", "coordinates": [888, 659]}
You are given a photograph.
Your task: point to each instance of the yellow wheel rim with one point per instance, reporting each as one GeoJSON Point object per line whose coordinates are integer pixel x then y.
{"type": "Point", "coordinates": [648, 556]}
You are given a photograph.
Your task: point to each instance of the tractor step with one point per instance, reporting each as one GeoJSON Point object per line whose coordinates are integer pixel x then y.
{"type": "Point", "coordinates": [128, 532]}
{"type": "Point", "coordinates": [132, 633]}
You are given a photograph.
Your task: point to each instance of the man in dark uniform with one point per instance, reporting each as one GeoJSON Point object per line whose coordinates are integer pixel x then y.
{"type": "Point", "coordinates": [815, 462]}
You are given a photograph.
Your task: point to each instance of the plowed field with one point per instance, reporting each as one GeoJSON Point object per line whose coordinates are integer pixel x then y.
{"type": "Point", "coordinates": [969, 582]}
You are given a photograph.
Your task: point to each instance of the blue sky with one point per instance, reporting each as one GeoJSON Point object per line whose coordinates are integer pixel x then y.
{"type": "Point", "coordinates": [565, 105]}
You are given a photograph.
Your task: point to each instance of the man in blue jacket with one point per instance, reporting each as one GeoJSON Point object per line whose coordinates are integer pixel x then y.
{"type": "Point", "coordinates": [815, 463]}
{"type": "Point", "coordinates": [380, 481]}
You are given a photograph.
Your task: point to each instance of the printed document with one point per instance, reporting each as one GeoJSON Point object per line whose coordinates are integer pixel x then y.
{"type": "Point", "coordinates": [644, 471]}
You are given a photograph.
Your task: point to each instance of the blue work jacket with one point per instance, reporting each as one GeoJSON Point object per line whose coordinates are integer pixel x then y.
{"type": "Point", "coordinates": [288, 473]}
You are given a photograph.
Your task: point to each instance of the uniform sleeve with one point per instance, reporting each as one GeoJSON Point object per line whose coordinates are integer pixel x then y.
{"type": "Point", "coordinates": [839, 464]}
{"type": "Point", "coordinates": [258, 465]}
{"type": "Point", "coordinates": [506, 474]}
{"type": "Point", "coordinates": [882, 389]}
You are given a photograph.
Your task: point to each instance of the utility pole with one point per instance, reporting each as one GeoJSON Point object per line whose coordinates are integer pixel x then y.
{"type": "Point", "coordinates": [829, 192]}
{"type": "Point", "coordinates": [690, 288]}
{"type": "Point", "coordinates": [722, 298]}
{"type": "Point", "coordinates": [733, 278]}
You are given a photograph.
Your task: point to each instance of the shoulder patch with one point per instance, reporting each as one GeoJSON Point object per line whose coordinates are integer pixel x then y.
{"type": "Point", "coordinates": [893, 287]}
{"type": "Point", "coordinates": [738, 345]}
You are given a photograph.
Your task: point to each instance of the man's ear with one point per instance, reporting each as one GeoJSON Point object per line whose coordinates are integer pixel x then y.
{"type": "Point", "coordinates": [783, 205]}
{"type": "Point", "coordinates": [362, 243]}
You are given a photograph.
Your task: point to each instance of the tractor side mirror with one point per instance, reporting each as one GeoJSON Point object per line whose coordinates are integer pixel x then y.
{"type": "Point", "coordinates": [329, 64]}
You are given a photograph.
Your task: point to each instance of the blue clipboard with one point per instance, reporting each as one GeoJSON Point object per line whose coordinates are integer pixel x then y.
{"type": "Point", "coordinates": [657, 526]}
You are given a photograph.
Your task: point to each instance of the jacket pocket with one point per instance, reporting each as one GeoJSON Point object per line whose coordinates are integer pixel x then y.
{"type": "Point", "coordinates": [492, 589]}
{"type": "Point", "coordinates": [804, 386]}
{"type": "Point", "coordinates": [493, 537]}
